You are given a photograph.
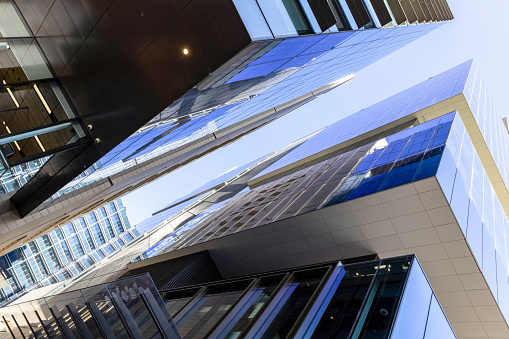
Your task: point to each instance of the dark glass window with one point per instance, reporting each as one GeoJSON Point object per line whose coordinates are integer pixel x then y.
{"type": "Point", "coordinates": [340, 315]}
{"type": "Point", "coordinates": [295, 300]}
{"type": "Point", "coordinates": [253, 307]}
{"type": "Point", "coordinates": [209, 310]}
{"type": "Point", "coordinates": [298, 17]}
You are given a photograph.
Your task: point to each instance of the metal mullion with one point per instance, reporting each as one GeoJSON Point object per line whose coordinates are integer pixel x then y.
{"type": "Point", "coordinates": [310, 302]}
{"type": "Point", "coordinates": [42, 323]}
{"type": "Point", "coordinates": [218, 302]}
{"type": "Point", "coordinates": [69, 247]}
{"type": "Point", "coordinates": [29, 325]}
{"type": "Point", "coordinates": [126, 317]}
{"type": "Point", "coordinates": [101, 227]}
{"type": "Point", "coordinates": [78, 321]}
{"type": "Point", "coordinates": [257, 323]}
{"type": "Point", "coordinates": [78, 238]}
{"type": "Point", "coordinates": [19, 327]}
{"type": "Point", "coordinates": [8, 327]}
{"type": "Point", "coordinates": [234, 309]}
{"type": "Point", "coordinates": [163, 325]}
{"type": "Point", "coordinates": [62, 325]}
{"type": "Point", "coordinates": [87, 227]}
{"type": "Point", "coordinates": [364, 301]}
{"type": "Point", "coordinates": [407, 277]}
{"type": "Point", "coordinates": [326, 290]}
{"type": "Point", "coordinates": [190, 304]}
{"type": "Point", "coordinates": [118, 213]}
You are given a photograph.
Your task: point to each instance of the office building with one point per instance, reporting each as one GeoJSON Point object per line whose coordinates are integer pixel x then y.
{"type": "Point", "coordinates": [425, 176]}
{"type": "Point", "coordinates": [131, 91]}
{"type": "Point", "coordinates": [66, 252]}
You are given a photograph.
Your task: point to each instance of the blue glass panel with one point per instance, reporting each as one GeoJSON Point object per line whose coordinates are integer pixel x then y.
{"type": "Point", "coordinates": [501, 281]}
{"type": "Point", "coordinates": [429, 164]}
{"type": "Point", "coordinates": [503, 289]}
{"type": "Point", "coordinates": [403, 172]}
{"type": "Point", "coordinates": [475, 234]}
{"type": "Point", "coordinates": [437, 325]}
{"type": "Point", "coordinates": [447, 172]}
{"type": "Point", "coordinates": [489, 264]}
{"type": "Point", "coordinates": [253, 19]}
{"type": "Point", "coordinates": [413, 309]}
{"type": "Point", "coordinates": [460, 201]}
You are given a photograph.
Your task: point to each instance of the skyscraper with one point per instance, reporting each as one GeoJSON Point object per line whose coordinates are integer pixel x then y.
{"type": "Point", "coordinates": [129, 92]}
{"type": "Point", "coordinates": [425, 176]}
{"type": "Point", "coordinates": [67, 252]}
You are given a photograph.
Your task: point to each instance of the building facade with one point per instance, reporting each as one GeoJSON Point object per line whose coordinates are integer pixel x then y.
{"type": "Point", "coordinates": [420, 186]}
{"type": "Point", "coordinates": [274, 56]}
{"type": "Point", "coordinates": [67, 252]}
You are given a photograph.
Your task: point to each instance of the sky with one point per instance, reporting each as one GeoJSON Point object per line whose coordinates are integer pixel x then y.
{"type": "Point", "coordinates": [477, 31]}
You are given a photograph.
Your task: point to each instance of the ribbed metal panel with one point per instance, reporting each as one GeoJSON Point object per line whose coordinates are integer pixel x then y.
{"type": "Point", "coordinates": [193, 269]}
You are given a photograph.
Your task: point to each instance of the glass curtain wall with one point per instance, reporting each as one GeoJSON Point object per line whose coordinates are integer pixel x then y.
{"type": "Point", "coordinates": [67, 251]}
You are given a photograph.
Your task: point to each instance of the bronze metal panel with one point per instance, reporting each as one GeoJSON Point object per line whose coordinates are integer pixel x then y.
{"type": "Point", "coordinates": [381, 12]}
{"type": "Point", "coordinates": [397, 11]}
{"type": "Point", "coordinates": [323, 13]}
{"type": "Point", "coordinates": [359, 12]}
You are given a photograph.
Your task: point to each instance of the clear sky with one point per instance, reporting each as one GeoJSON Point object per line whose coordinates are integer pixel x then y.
{"type": "Point", "coordinates": [478, 31]}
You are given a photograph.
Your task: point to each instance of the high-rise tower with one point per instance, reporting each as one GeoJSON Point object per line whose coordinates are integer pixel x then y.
{"type": "Point", "coordinates": [128, 92]}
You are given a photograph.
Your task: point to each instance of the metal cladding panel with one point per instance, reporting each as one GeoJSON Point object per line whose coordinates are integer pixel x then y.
{"type": "Point", "coordinates": [359, 12]}
{"type": "Point", "coordinates": [409, 11]}
{"type": "Point", "coordinates": [121, 64]}
{"type": "Point", "coordinates": [418, 10]}
{"type": "Point", "coordinates": [397, 11]}
{"type": "Point", "coordinates": [431, 10]}
{"type": "Point", "coordinates": [323, 13]}
{"type": "Point", "coordinates": [193, 269]}
{"type": "Point", "coordinates": [425, 10]}
{"type": "Point", "coordinates": [381, 12]}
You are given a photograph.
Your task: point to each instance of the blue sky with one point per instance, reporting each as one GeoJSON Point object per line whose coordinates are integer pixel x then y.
{"type": "Point", "coordinates": [478, 31]}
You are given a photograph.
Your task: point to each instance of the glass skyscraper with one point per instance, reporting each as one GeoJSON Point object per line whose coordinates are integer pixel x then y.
{"type": "Point", "coordinates": [386, 225]}
{"type": "Point", "coordinates": [248, 63]}
{"type": "Point", "coordinates": [68, 251]}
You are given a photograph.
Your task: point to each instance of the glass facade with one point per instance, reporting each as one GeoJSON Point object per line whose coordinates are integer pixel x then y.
{"type": "Point", "coordinates": [477, 209]}
{"type": "Point", "coordinates": [410, 155]}
{"type": "Point", "coordinates": [126, 308]}
{"type": "Point", "coordinates": [282, 71]}
{"type": "Point", "coordinates": [388, 298]}
{"type": "Point", "coordinates": [68, 251]}
{"type": "Point", "coordinates": [399, 107]}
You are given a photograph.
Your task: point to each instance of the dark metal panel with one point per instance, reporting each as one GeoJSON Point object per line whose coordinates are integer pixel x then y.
{"type": "Point", "coordinates": [381, 11]}
{"type": "Point", "coordinates": [34, 12]}
{"type": "Point", "coordinates": [431, 10]}
{"type": "Point", "coordinates": [359, 12]}
{"type": "Point", "coordinates": [418, 10]}
{"type": "Point", "coordinates": [55, 172]}
{"type": "Point", "coordinates": [323, 13]}
{"type": "Point", "coordinates": [193, 269]}
{"type": "Point", "coordinates": [438, 9]}
{"type": "Point", "coordinates": [79, 17]}
{"type": "Point", "coordinates": [409, 11]}
{"type": "Point", "coordinates": [128, 69]}
{"type": "Point", "coordinates": [397, 11]}
{"type": "Point", "coordinates": [425, 10]}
